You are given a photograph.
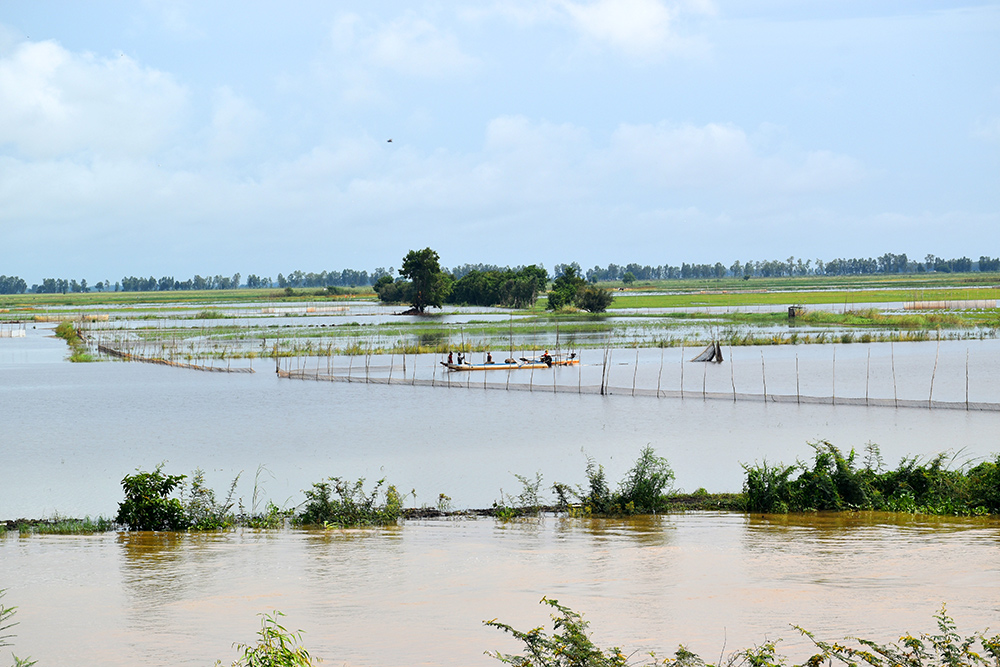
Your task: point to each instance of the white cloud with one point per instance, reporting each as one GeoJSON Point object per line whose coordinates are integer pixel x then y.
{"type": "Point", "coordinates": [987, 128]}
{"type": "Point", "coordinates": [410, 44]}
{"type": "Point", "coordinates": [416, 46]}
{"type": "Point", "coordinates": [53, 103]}
{"type": "Point", "coordinates": [235, 122]}
{"type": "Point", "coordinates": [723, 157]}
{"type": "Point", "coordinates": [639, 28]}
{"type": "Point", "coordinates": [642, 30]}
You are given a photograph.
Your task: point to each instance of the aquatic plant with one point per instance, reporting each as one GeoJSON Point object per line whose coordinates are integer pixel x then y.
{"type": "Point", "coordinates": [77, 346]}
{"type": "Point", "coordinates": [526, 503]}
{"type": "Point", "coordinates": [6, 614]}
{"type": "Point", "coordinates": [65, 526]}
{"type": "Point", "coordinates": [276, 646]}
{"type": "Point", "coordinates": [342, 504]}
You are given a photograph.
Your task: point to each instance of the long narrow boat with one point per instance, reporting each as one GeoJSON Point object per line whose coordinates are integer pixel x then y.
{"type": "Point", "coordinates": [502, 366]}
{"type": "Point", "coordinates": [510, 364]}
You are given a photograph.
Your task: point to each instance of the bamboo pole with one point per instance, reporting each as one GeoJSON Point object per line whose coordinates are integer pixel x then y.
{"type": "Point", "coordinates": [682, 370]}
{"type": "Point", "coordinates": [966, 379]}
{"type": "Point", "coordinates": [868, 372]}
{"type": "Point", "coordinates": [635, 371]}
{"type": "Point", "coordinates": [834, 387]}
{"type": "Point", "coordinates": [798, 394]}
{"type": "Point", "coordinates": [892, 356]}
{"type": "Point", "coordinates": [763, 374]}
{"type": "Point", "coordinates": [732, 372]}
{"type": "Point", "coordinates": [660, 374]}
{"type": "Point", "coordinates": [937, 352]}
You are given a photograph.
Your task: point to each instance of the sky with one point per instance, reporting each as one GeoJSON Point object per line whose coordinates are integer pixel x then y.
{"type": "Point", "coordinates": [178, 138]}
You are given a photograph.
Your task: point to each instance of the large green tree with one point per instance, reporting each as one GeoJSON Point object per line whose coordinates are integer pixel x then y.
{"type": "Point", "coordinates": [430, 285]}
{"type": "Point", "coordinates": [565, 288]}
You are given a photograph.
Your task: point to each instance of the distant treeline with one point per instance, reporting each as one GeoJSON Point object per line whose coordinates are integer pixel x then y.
{"type": "Point", "coordinates": [886, 264]}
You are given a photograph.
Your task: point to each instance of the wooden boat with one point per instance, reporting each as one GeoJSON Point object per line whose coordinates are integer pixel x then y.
{"type": "Point", "coordinates": [511, 364]}
{"type": "Point", "coordinates": [501, 366]}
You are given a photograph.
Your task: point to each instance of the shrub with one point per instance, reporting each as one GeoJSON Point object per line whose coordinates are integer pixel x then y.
{"type": "Point", "coordinates": [351, 506]}
{"type": "Point", "coordinates": [147, 505]}
{"type": "Point", "coordinates": [594, 299]}
{"type": "Point", "coordinates": [568, 646]}
{"type": "Point", "coordinates": [645, 486]}
{"type": "Point", "coordinates": [643, 490]}
{"type": "Point", "coordinates": [202, 511]}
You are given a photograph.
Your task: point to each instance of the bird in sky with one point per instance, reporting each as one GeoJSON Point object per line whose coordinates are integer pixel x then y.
{"type": "Point", "coordinates": [389, 141]}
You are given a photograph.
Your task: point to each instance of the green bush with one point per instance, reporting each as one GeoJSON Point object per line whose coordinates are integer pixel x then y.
{"type": "Point", "coordinates": [337, 502]}
{"type": "Point", "coordinates": [644, 489]}
{"type": "Point", "coordinates": [148, 505]}
{"type": "Point", "coordinates": [568, 646]}
{"type": "Point", "coordinates": [833, 482]}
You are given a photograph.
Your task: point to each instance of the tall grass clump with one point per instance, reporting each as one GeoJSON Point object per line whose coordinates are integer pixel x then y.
{"type": "Point", "coordinates": [339, 503]}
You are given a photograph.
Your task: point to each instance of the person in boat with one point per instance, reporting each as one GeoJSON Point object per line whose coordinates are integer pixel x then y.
{"type": "Point", "coordinates": [461, 358]}
{"type": "Point", "coordinates": [546, 358]}
{"type": "Point", "coordinates": [451, 359]}
{"type": "Point", "coordinates": [489, 357]}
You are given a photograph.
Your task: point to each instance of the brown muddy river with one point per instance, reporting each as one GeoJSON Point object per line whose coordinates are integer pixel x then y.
{"type": "Point", "coordinates": [417, 595]}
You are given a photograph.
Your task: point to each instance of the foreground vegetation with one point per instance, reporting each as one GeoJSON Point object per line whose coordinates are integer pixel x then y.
{"type": "Point", "coordinates": [570, 645]}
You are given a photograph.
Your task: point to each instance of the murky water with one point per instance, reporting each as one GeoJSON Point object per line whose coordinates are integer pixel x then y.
{"type": "Point", "coordinates": [418, 594]}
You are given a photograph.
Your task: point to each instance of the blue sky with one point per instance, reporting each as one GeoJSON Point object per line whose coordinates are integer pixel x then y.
{"type": "Point", "coordinates": [174, 138]}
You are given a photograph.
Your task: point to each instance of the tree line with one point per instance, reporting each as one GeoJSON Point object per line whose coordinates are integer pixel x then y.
{"type": "Point", "coordinates": [494, 279]}
{"type": "Point", "coordinates": [888, 263]}
{"type": "Point", "coordinates": [422, 283]}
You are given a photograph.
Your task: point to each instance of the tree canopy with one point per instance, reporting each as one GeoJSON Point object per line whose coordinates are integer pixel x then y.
{"type": "Point", "coordinates": [511, 288]}
{"type": "Point", "coordinates": [429, 285]}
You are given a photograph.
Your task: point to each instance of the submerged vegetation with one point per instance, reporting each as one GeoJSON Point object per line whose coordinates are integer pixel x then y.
{"type": "Point", "coordinates": [338, 503]}
{"type": "Point", "coordinates": [77, 345]}
{"type": "Point", "coordinates": [834, 481]}
{"type": "Point", "coordinates": [570, 645]}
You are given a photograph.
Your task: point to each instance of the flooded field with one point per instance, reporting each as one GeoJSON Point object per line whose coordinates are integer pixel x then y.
{"type": "Point", "coordinates": [418, 594]}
